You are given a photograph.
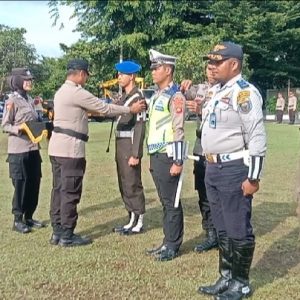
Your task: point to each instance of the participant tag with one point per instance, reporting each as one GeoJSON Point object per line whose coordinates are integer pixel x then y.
{"type": "Point", "coordinates": [212, 120]}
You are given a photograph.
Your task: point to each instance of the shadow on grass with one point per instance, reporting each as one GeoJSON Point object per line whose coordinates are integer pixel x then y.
{"type": "Point", "coordinates": [152, 221]}
{"type": "Point", "coordinates": [153, 217]}
{"type": "Point", "coordinates": [276, 262]}
{"type": "Point", "coordinates": [267, 215]}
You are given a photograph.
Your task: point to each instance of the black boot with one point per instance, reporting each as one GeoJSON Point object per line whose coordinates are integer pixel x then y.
{"type": "Point", "coordinates": [56, 235]}
{"type": "Point", "coordinates": [156, 250]}
{"type": "Point", "coordinates": [69, 239]}
{"type": "Point", "coordinates": [210, 242]}
{"type": "Point", "coordinates": [34, 223]}
{"type": "Point", "coordinates": [239, 287]}
{"type": "Point", "coordinates": [225, 268]}
{"type": "Point", "coordinates": [20, 226]}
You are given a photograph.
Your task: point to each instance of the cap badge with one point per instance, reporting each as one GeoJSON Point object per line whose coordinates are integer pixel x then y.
{"type": "Point", "coordinates": [219, 47]}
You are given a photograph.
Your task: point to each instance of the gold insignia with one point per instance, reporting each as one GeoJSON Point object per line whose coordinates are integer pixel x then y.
{"type": "Point", "coordinates": [219, 47]}
{"type": "Point", "coordinates": [215, 56]}
{"type": "Point", "coordinates": [243, 97]}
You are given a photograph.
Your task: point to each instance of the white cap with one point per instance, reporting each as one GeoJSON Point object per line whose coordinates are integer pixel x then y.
{"type": "Point", "coordinates": [158, 59]}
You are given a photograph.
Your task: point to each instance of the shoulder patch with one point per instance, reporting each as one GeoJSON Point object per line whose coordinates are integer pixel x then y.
{"type": "Point", "coordinates": [178, 104]}
{"type": "Point", "coordinates": [243, 83]}
{"type": "Point", "coordinates": [245, 107]}
{"type": "Point", "coordinates": [243, 97]}
{"type": "Point", "coordinates": [9, 106]}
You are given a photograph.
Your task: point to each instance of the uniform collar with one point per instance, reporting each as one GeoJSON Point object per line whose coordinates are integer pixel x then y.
{"type": "Point", "coordinates": [230, 83]}
{"type": "Point", "coordinates": [166, 88]}
{"type": "Point", "coordinates": [72, 83]}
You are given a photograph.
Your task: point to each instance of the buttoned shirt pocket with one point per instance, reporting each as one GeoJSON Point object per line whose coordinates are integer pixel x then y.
{"type": "Point", "coordinates": [223, 109]}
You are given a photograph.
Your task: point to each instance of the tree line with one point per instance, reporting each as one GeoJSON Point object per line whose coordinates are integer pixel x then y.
{"type": "Point", "coordinates": [268, 30]}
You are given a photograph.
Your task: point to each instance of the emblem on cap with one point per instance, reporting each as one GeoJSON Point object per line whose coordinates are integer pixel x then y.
{"type": "Point", "coordinates": [158, 59]}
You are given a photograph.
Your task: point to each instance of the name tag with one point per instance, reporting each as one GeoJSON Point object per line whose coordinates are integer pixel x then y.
{"type": "Point", "coordinates": [212, 120]}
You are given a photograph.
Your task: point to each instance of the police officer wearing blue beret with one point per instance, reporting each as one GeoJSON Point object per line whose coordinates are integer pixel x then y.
{"type": "Point", "coordinates": [234, 143]}
{"type": "Point", "coordinates": [130, 133]}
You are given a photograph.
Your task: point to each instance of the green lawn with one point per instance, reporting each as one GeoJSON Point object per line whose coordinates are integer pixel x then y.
{"type": "Point", "coordinates": [115, 267]}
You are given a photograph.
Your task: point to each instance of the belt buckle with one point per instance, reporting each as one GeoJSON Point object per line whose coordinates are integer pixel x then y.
{"type": "Point", "coordinates": [209, 158]}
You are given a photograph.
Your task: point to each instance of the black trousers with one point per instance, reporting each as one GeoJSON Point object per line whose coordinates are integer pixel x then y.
{"type": "Point", "coordinates": [199, 175]}
{"type": "Point", "coordinates": [292, 116]}
{"type": "Point", "coordinates": [166, 186]}
{"type": "Point", "coordinates": [66, 190]}
{"type": "Point", "coordinates": [231, 210]}
{"type": "Point", "coordinates": [279, 115]}
{"type": "Point", "coordinates": [25, 173]}
{"type": "Point", "coordinates": [129, 178]}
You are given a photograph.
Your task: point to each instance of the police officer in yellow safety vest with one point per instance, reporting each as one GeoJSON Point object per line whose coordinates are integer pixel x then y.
{"type": "Point", "coordinates": [234, 144]}
{"type": "Point", "coordinates": [165, 146]}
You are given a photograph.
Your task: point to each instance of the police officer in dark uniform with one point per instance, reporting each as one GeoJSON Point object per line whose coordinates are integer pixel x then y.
{"type": "Point", "coordinates": [234, 143]}
{"type": "Point", "coordinates": [165, 143]}
{"type": "Point", "coordinates": [199, 95]}
{"type": "Point", "coordinates": [23, 155]}
{"type": "Point", "coordinates": [130, 133]}
{"type": "Point", "coordinates": [67, 149]}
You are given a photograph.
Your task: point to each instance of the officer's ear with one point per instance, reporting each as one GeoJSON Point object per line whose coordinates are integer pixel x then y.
{"type": "Point", "coordinates": [236, 65]}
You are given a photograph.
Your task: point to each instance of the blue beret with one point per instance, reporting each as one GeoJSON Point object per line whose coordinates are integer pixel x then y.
{"type": "Point", "coordinates": [128, 67]}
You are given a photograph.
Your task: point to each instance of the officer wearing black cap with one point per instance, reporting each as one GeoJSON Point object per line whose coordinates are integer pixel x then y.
{"type": "Point", "coordinates": [197, 96]}
{"type": "Point", "coordinates": [23, 155]}
{"type": "Point", "coordinates": [165, 143]}
{"type": "Point", "coordinates": [67, 149]}
{"type": "Point", "coordinates": [130, 133]}
{"type": "Point", "coordinates": [234, 143]}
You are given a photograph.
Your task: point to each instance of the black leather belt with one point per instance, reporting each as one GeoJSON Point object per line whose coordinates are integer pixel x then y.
{"type": "Point", "coordinates": [72, 133]}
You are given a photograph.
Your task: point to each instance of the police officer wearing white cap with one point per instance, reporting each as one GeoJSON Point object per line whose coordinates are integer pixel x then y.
{"type": "Point", "coordinates": [232, 128]}
{"type": "Point", "coordinates": [130, 134]}
{"type": "Point", "coordinates": [23, 155]}
{"type": "Point", "coordinates": [67, 149]}
{"type": "Point", "coordinates": [165, 146]}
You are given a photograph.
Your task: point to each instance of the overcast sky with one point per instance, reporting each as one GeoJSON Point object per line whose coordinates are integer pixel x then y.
{"type": "Point", "coordinates": [35, 18]}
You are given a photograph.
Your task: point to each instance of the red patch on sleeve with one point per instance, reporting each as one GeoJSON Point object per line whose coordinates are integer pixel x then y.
{"type": "Point", "coordinates": [178, 104]}
{"type": "Point", "coordinates": [9, 106]}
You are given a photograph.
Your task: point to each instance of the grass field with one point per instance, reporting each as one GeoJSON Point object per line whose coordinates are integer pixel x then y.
{"type": "Point", "coordinates": [115, 267]}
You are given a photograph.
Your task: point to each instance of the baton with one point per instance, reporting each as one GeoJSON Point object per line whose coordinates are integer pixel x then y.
{"type": "Point", "coordinates": [110, 134]}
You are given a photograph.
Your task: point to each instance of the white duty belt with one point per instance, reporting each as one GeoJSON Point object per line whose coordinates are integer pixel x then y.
{"type": "Point", "coordinates": [225, 157]}
{"type": "Point", "coordinates": [123, 134]}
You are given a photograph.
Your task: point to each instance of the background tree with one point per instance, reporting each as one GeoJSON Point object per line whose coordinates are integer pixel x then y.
{"type": "Point", "coordinates": [14, 51]}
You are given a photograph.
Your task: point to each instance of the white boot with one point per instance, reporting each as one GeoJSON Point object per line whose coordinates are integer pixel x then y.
{"type": "Point", "coordinates": [131, 221]}
{"type": "Point", "coordinates": [139, 225]}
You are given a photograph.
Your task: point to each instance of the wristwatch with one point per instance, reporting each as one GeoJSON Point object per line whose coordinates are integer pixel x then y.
{"type": "Point", "coordinates": [178, 162]}
{"type": "Point", "coordinates": [253, 181]}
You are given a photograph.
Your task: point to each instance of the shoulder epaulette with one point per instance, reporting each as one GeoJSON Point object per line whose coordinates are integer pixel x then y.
{"type": "Point", "coordinates": [243, 83]}
{"type": "Point", "coordinates": [173, 90]}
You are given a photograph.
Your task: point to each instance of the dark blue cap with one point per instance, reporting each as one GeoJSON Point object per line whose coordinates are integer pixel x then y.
{"type": "Point", "coordinates": [23, 72]}
{"type": "Point", "coordinates": [224, 51]}
{"type": "Point", "coordinates": [78, 64]}
{"type": "Point", "coordinates": [128, 67]}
